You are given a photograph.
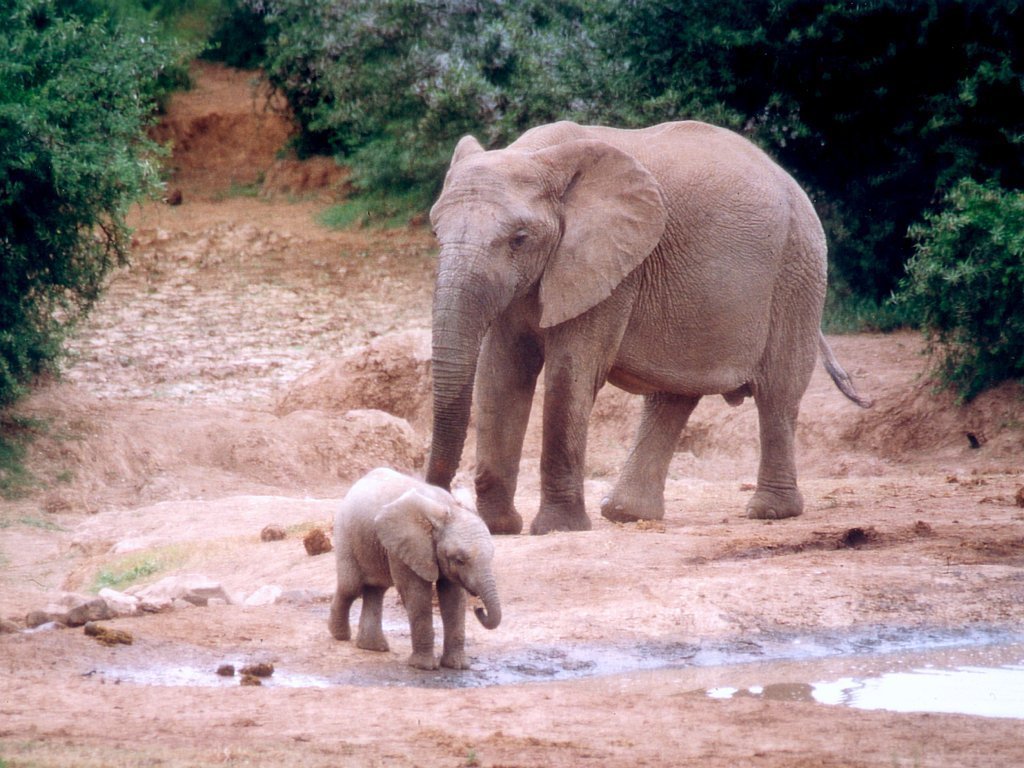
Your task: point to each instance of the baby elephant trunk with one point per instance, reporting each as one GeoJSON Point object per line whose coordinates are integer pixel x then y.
{"type": "Point", "coordinates": [490, 613]}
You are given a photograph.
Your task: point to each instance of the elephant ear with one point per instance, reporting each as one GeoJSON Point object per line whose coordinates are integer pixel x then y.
{"type": "Point", "coordinates": [406, 527]}
{"type": "Point", "coordinates": [466, 147]}
{"type": "Point", "coordinates": [612, 218]}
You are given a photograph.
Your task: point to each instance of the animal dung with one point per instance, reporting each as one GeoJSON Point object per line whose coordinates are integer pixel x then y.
{"type": "Point", "coordinates": [108, 636]}
{"type": "Point", "coordinates": [259, 669]}
{"type": "Point", "coordinates": [272, 533]}
{"type": "Point", "coordinates": [316, 542]}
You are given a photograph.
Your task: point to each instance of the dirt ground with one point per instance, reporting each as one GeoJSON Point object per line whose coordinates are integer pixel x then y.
{"type": "Point", "coordinates": [251, 364]}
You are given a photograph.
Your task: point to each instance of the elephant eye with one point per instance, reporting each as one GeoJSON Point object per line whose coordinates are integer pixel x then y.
{"type": "Point", "coordinates": [518, 240]}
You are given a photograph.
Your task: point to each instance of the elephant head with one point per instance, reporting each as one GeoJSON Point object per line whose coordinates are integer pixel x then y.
{"type": "Point", "coordinates": [439, 540]}
{"type": "Point", "coordinates": [556, 227]}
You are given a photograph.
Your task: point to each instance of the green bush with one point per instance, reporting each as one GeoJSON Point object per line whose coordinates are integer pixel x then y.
{"type": "Point", "coordinates": [391, 85]}
{"type": "Point", "coordinates": [75, 96]}
{"type": "Point", "coordinates": [876, 106]}
{"type": "Point", "coordinates": [965, 283]}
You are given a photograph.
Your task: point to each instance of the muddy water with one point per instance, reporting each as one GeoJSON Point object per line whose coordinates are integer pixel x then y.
{"type": "Point", "coordinates": [977, 672]}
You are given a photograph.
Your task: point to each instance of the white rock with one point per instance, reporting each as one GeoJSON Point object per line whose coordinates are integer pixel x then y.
{"type": "Point", "coordinates": [119, 602]}
{"type": "Point", "coordinates": [193, 588]}
{"type": "Point", "coordinates": [265, 595]}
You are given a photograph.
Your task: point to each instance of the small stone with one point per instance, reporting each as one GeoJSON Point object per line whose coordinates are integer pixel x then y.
{"type": "Point", "coordinates": [35, 619]}
{"type": "Point", "coordinates": [226, 670]}
{"type": "Point", "coordinates": [250, 680]}
{"type": "Point", "coordinates": [272, 533]}
{"type": "Point", "coordinates": [95, 609]}
{"type": "Point", "coordinates": [316, 542]}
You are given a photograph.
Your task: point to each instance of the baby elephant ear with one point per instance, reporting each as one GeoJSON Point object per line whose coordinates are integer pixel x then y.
{"type": "Point", "coordinates": [405, 528]}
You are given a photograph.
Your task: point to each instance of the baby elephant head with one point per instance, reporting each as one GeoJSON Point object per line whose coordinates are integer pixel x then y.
{"type": "Point", "coordinates": [437, 540]}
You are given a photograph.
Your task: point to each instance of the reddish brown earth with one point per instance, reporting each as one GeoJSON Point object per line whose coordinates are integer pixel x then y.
{"type": "Point", "coordinates": [251, 364]}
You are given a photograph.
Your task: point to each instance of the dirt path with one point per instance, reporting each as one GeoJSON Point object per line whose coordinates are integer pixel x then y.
{"type": "Point", "coordinates": [251, 364]}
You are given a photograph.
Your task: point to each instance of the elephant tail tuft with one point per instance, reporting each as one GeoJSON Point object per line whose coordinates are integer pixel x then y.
{"type": "Point", "coordinates": [839, 376]}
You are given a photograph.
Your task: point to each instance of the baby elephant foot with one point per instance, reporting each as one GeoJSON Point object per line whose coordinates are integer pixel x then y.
{"type": "Point", "coordinates": [454, 660]}
{"type": "Point", "coordinates": [774, 505]}
{"type": "Point", "coordinates": [422, 660]}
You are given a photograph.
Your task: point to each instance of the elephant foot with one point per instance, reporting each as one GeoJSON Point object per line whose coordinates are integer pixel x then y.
{"type": "Point", "coordinates": [772, 505]}
{"type": "Point", "coordinates": [374, 642]}
{"type": "Point", "coordinates": [454, 660]}
{"type": "Point", "coordinates": [421, 660]}
{"type": "Point", "coordinates": [548, 522]}
{"type": "Point", "coordinates": [337, 623]}
{"type": "Point", "coordinates": [339, 631]}
{"type": "Point", "coordinates": [507, 523]}
{"type": "Point", "coordinates": [621, 510]}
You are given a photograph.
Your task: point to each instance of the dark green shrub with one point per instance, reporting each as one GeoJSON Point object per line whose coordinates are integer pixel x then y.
{"type": "Point", "coordinates": [75, 97]}
{"type": "Point", "coordinates": [965, 284]}
{"type": "Point", "coordinates": [391, 85]}
{"type": "Point", "coordinates": [876, 106]}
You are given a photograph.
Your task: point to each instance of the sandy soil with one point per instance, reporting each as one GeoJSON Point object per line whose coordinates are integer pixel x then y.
{"type": "Point", "coordinates": [250, 365]}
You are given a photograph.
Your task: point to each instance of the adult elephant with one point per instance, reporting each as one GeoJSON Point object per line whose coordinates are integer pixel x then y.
{"type": "Point", "coordinates": [674, 262]}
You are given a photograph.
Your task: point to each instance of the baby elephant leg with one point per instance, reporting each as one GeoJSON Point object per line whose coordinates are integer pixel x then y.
{"type": "Point", "coordinates": [341, 604]}
{"type": "Point", "coordinates": [371, 631]}
{"type": "Point", "coordinates": [452, 598]}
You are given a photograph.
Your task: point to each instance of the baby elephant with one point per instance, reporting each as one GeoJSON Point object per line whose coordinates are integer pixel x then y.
{"type": "Point", "coordinates": [393, 529]}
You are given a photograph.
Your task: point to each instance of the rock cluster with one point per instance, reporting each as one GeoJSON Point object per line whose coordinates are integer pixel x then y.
{"type": "Point", "coordinates": [173, 592]}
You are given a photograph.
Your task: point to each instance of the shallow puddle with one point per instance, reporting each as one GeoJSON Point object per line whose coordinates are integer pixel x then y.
{"type": "Point", "coordinates": [987, 681]}
{"type": "Point", "coordinates": [976, 673]}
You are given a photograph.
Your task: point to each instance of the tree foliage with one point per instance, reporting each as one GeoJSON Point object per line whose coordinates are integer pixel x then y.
{"type": "Point", "coordinates": [965, 282]}
{"type": "Point", "coordinates": [75, 95]}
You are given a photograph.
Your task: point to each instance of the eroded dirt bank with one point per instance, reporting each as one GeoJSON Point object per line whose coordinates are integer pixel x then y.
{"type": "Point", "coordinates": [251, 364]}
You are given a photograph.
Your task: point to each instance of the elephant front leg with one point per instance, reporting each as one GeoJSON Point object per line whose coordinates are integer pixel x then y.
{"type": "Point", "coordinates": [452, 599]}
{"type": "Point", "coordinates": [640, 492]}
{"type": "Point", "coordinates": [777, 495]}
{"type": "Point", "coordinates": [506, 380]}
{"type": "Point", "coordinates": [371, 630]}
{"type": "Point", "coordinates": [417, 595]}
{"type": "Point", "coordinates": [567, 408]}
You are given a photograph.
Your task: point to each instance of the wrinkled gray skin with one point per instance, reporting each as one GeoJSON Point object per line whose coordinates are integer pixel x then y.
{"type": "Point", "coordinates": [674, 262]}
{"type": "Point", "coordinates": [392, 529]}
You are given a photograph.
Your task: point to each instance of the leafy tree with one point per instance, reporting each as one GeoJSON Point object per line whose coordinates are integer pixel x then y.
{"type": "Point", "coordinates": [75, 95]}
{"type": "Point", "coordinates": [966, 284]}
{"type": "Point", "coordinates": [878, 106]}
{"type": "Point", "coordinates": [390, 85]}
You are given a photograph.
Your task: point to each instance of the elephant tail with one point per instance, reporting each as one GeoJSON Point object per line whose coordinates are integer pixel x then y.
{"type": "Point", "coordinates": [839, 376]}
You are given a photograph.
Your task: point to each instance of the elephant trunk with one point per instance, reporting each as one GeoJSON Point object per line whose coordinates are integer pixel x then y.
{"type": "Point", "coordinates": [461, 316]}
{"type": "Point", "coordinates": [490, 613]}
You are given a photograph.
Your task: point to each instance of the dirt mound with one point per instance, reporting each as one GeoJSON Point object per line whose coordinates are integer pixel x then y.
{"type": "Point", "coordinates": [923, 419]}
{"type": "Point", "coordinates": [131, 453]}
{"type": "Point", "coordinates": [391, 373]}
{"type": "Point", "coordinates": [227, 134]}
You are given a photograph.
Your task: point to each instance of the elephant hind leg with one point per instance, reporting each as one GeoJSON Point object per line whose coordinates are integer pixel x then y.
{"type": "Point", "coordinates": [337, 623]}
{"type": "Point", "coordinates": [640, 492]}
{"type": "Point", "coordinates": [778, 404]}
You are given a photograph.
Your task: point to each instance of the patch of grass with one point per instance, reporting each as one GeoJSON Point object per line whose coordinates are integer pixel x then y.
{"type": "Point", "coordinates": [16, 433]}
{"type": "Point", "coordinates": [846, 312]}
{"type": "Point", "coordinates": [136, 566]}
{"type": "Point", "coordinates": [372, 211]}
{"type": "Point", "coordinates": [241, 190]}
{"type": "Point", "coordinates": [32, 522]}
